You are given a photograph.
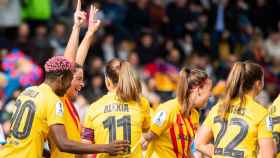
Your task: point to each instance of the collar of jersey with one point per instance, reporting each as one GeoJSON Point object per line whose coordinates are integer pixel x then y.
{"type": "Point", "coordinates": [193, 110]}
{"type": "Point", "coordinates": [248, 99]}
{"type": "Point", "coordinates": [111, 93]}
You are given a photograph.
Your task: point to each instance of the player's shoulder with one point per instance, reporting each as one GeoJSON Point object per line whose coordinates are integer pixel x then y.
{"type": "Point", "coordinates": [253, 109]}
{"type": "Point", "coordinates": [48, 93]}
{"type": "Point", "coordinates": [100, 102]}
{"type": "Point", "coordinates": [276, 102]}
{"type": "Point", "coordinates": [30, 91]}
{"type": "Point", "coordinates": [215, 109]}
{"type": "Point", "coordinates": [169, 106]}
{"type": "Point", "coordinates": [274, 109]}
{"type": "Point", "coordinates": [257, 108]}
{"type": "Point", "coordinates": [47, 98]}
{"type": "Point", "coordinates": [166, 111]}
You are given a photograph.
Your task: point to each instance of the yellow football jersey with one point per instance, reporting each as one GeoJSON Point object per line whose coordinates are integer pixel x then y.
{"type": "Point", "coordinates": [37, 108]}
{"type": "Point", "coordinates": [275, 118]}
{"type": "Point", "coordinates": [238, 136]}
{"type": "Point", "coordinates": [173, 130]}
{"type": "Point", "coordinates": [111, 119]}
{"type": "Point", "coordinates": [72, 127]}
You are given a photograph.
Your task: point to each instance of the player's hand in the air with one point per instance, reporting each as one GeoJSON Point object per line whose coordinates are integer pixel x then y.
{"type": "Point", "coordinates": [93, 23]}
{"type": "Point", "coordinates": [79, 15]}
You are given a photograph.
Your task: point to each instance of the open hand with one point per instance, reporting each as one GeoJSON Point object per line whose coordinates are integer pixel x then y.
{"type": "Point", "coordinates": [118, 147]}
{"type": "Point", "coordinates": [93, 23]}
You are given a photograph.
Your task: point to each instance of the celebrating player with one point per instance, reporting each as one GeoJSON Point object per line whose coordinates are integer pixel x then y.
{"type": "Point", "coordinates": [238, 123]}
{"type": "Point", "coordinates": [122, 114]}
{"type": "Point", "coordinates": [175, 122]}
{"type": "Point", "coordinates": [72, 125]}
{"type": "Point", "coordinates": [40, 114]}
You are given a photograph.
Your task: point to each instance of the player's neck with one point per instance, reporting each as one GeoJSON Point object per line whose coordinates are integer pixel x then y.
{"type": "Point", "coordinates": [51, 83]}
{"type": "Point", "coordinates": [252, 94]}
{"type": "Point", "coordinates": [111, 89]}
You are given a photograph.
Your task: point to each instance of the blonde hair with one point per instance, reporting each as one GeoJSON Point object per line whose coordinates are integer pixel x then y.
{"type": "Point", "coordinates": [241, 79]}
{"type": "Point", "coordinates": [188, 79]}
{"type": "Point", "coordinates": [123, 76]}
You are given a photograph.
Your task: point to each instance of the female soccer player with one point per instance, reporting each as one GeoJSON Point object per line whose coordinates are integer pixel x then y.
{"type": "Point", "coordinates": [122, 114]}
{"type": "Point", "coordinates": [175, 122]}
{"type": "Point", "coordinates": [238, 123]}
{"type": "Point", "coordinates": [71, 117]}
{"type": "Point", "coordinates": [40, 114]}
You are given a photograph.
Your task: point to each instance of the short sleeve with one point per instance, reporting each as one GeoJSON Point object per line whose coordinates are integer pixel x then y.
{"type": "Point", "coordinates": [55, 113]}
{"type": "Point", "coordinates": [160, 121]}
{"type": "Point", "coordinates": [146, 114]}
{"type": "Point", "coordinates": [87, 130]}
{"type": "Point", "coordinates": [265, 128]}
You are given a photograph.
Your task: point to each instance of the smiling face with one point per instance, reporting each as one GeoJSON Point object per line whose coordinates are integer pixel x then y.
{"type": "Point", "coordinates": [77, 83]}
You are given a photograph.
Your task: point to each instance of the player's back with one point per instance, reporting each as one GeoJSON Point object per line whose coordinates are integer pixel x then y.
{"type": "Point", "coordinates": [239, 134]}
{"type": "Point", "coordinates": [35, 108]}
{"type": "Point", "coordinates": [112, 119]}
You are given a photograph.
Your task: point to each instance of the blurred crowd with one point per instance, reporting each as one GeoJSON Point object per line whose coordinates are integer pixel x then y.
{"type": "Point", "coordinates": [157, 37]}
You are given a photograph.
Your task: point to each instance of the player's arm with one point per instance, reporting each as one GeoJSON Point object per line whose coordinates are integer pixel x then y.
{"type": "Point", "coordinates": [93, 26]}
{"type": "Point", "coordinates": [58, 134]}
{"type": "Point", "coordinates": [265, 140]}
{"type": "Point", "coordinates": [147, 138]}
{"type": "Point", "coordinates": [204, 134]}
{"type": "Point", "coordinates": [266, 148]}
{"type": "Point", "coordinates": [87, 155]}
{"type": "Point", "coordinates": [72, 45]}
{"type": "Point", "coordinates": [159, 124]}
{"type": "Point", "coordinates": [202, 139]}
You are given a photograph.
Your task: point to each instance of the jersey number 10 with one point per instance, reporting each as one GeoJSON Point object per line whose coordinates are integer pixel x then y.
{"type": "Point", "coordinates": [124, 122]}
{"type": "Point", "coordinates": [17, 119]}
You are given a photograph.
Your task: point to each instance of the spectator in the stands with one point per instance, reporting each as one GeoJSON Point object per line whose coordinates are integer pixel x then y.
{"type": "Point", "coordinates": [58, 39]}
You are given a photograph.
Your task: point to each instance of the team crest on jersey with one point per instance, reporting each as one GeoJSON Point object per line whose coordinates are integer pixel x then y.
{"type": "Point", "coordinates": [59, 109]}
{"type": "Point", "coordinates": [160, 118]}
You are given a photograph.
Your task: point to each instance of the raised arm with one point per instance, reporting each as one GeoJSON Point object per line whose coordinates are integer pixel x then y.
{"type": "Point", "coordinates": [72, 45]}
{"type": "Point", "coordinates": [93, 26]}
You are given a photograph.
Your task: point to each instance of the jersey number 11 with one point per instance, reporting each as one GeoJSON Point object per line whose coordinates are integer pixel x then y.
{"type": "Point", "coordinates": [124, 122]}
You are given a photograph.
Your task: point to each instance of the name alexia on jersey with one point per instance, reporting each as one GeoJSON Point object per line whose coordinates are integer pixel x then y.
{"type": "Point", "coordinates": [116, 107]}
